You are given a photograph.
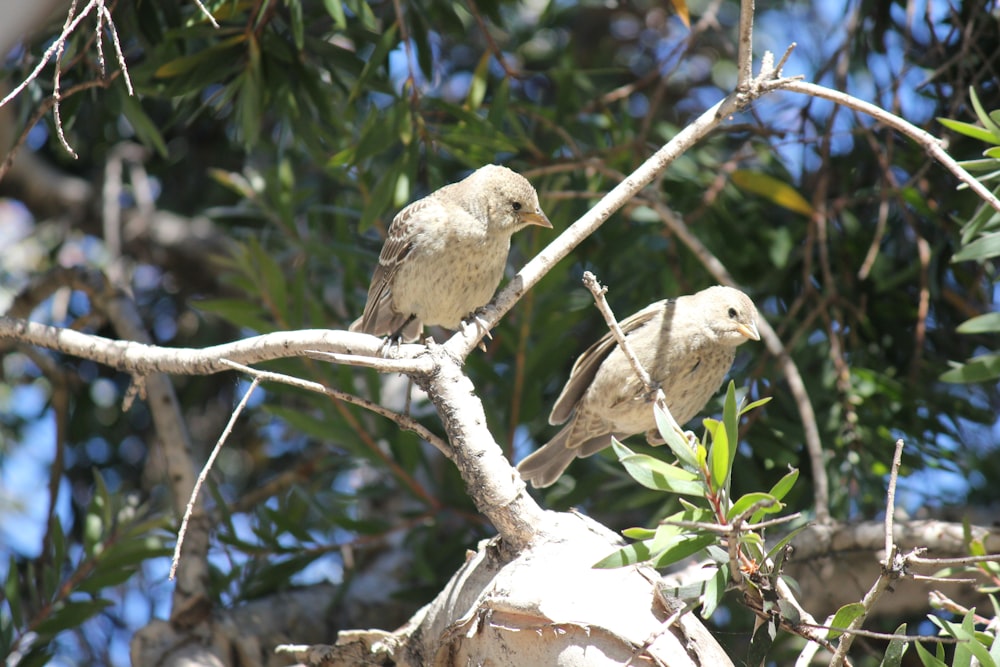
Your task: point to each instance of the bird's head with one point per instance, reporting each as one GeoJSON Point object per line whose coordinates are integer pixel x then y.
{"type": "Point", "coordinates": [730, 315]}
{"type": "Point", "coordinates": [511, 201]}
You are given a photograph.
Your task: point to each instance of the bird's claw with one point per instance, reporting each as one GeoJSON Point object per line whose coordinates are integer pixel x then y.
{"type": "Point", "coordinates": [483, 329]}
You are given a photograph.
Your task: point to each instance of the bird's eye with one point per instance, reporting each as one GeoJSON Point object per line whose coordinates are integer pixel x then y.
{"type": "Point", "coordinates": [517, 206]}
{"type": "Point", "coordinates": [732, 313]}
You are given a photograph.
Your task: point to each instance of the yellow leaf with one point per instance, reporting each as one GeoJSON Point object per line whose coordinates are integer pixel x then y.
{"type": "Point", "coordinates": [779, 192]}
{"type": "Point", "coordinates": [680, 6]}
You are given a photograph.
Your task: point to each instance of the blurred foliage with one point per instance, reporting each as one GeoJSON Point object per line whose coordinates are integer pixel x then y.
{"type": "Point", "coordinates": [297, 129]}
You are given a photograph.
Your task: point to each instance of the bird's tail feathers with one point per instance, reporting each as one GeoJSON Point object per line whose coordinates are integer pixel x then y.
{"type": "Point", "coordinates": [546, 464]}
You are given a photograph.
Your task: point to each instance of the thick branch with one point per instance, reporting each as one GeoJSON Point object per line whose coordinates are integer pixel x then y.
{"type": "Point", "coordinates": [143, 359]}
{"type": "Point", "coordinates": [495, 487]}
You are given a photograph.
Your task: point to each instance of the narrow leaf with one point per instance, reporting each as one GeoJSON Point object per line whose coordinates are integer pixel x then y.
{"type": "Point", "coordinates": [968, 129]}
{"type": "Point", "coordinates": [896, 649]}
{"type": "Point", "coordinates": [630, 555]}
{"type": "Point", "coordinates": [978, 369]}
{"type": "Point", "coordinates": [844, 617]}
{"type": "Point", "coordinates": [771, 188]}
{"type": "Point", "coordinates": [988, 323]}
{"type": "Point", "coordinates": [678, 444]}
{"type": "Point", "coordinates": [985, 247]}
{"type": "Point", "coordinates": [718, 457]}
{"type": "Point", "coordinates": [984, 117]}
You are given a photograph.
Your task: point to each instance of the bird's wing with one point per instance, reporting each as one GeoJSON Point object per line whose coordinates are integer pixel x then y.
{"type": "Point", "coordinates": [379, 317]}
{"type": "Point", "coordinates": [585, 368]}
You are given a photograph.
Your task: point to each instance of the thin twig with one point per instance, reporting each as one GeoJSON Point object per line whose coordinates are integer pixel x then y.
{"type": "Point", "coordinates": [203, 475]}
{"type": "Point", "coordinates": [208, 14]}
{"type": "Point", "coordinates": [893, 567]}
{"type": "Point", "coordinates": [744, 57]}
{"type": "Point", "coordinates": [945, 562]}
{"type": "Point", "coordinates": [724, 529]}
{"type": "Point", "coordinates": [666, 625]}
{"type": "Point", "coordinates": [57, 45]}
{"type": "Point", "coordinates": [931, 144]}
{"type": "Point", "coordinates": [590, 280]}
{"type": "Point", "coordinates": [405, 366]}
{"type": "Point", "coordinates": [403, 421]}
{"type": "Point", "coordinates": [118, 50]}
{"type": "Point", "coordinates": [890, 503]}
{"type": "Point", "coordinates": [887, 636]}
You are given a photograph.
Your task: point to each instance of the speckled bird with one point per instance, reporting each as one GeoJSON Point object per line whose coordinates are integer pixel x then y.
{"type": "Point", "coordinates": [687, 345]}
{"type": "Point", "coordinates": [445, 254]}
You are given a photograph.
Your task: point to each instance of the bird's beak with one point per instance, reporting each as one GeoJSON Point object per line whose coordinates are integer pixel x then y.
{"type": "Point", "coordinates": [749, 330]}
{"type": "Point", "coordinates": [535, 217]}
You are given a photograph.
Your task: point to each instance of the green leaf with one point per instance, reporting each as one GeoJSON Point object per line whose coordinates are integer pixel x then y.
{"type": "Point", "coordinates": [748, 500]}
{"type": "Point", "coordinates": [896, 649]}
{"type": "Point", "coordinates": [480, 80]}
{"type": "Point", "coordinates": [844, 617]}
{"type": "Point", "coordinates": [985, 247]}
{"type": "Point", "coordinates": [336, 11]}
{"type": "Point", "coordinates": [984, 117]}
{"type": "Point", "coordinates": [629, 555]}
{"type": "Point", "coordinates": [689, 591]}
{"type": "Point", "coordinates": [639, 533]}
{"type": "Point", "coordinates": [497, 114]}
{"type": "Point", "coordinates": [927, 658]}
{"type": "Point", "coordinates": [241, 312]}
{"type": "Point", "coordinates": [761, 642]}
{"type": "Point", "coordinates": [656, 474]}
{"type": "Point", "coordinates": [677, 443]}
{"type": "Point", "coordinates": [756, 404]}
{"type": "Point", "coordinates": [730, 417]}
{"type": "Point", "coordinates": [274, 287]}
{"type": "Point", "coordinates": [219, 52]}
{"type": "Point", "coordinates": [298, 28]}
{"type": "Point", "coordinates": [375, 60]}
{"type": "Point", "coordinates": [968, 129]}
{"type": "Point", "coordinates": [145, 129]}
{"type": "Point", "coordinates": [11, 592]}
{"type": "Point", "coordinates": [70, 615]}
{"type": "Point", "coordinates": [719, 458]}
{"type": "Point", "coordinates": [777, 548]}
{"type": "Point", "coordinates": [771, 188]}
{"type": "Point", "coordinates": [978, 369]}
{"type": "Point", "coordinates": [988, 323]}
{"type": "Point", "coordinates": [681, 549]}
{"type": "Point", "coordinates": [715, 588]}
{"type": "Point", "coordinates": [986, 217]}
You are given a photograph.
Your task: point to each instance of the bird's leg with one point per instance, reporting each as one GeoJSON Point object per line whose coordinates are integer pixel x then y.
{"type": "Point", "coordinates": [652, 391]}
{"type": "Point", "coordinates": [474, 318]}
{"type": "Point", "coordinates": [654, 438]}
{"type": "Point", "coordinates": [397, 335]}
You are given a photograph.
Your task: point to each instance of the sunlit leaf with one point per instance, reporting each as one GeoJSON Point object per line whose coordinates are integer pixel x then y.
{"type": "Point", "coordinates": [968, 129]}
{"type": "Point", "coordinates": [978, 369]}
{"type": "Point", "coordinates": [987, 323]}
{"type": "Point", "coordinates": [779, 192]}
{"type": "Point", "coordinates": [629, 555]}
{"type": "Point", "coordinates": [719, 457]}
{"type": "Point", "coordinates": [984, 117]}
{"type": "Point", "coordinates": [656, 474]}
{"type": "Point", "coordinates": [843, 618]}
{"type": "Point", "coordinates": [985, 247]}
{"type": "Point", "coordinates": [680, 6]}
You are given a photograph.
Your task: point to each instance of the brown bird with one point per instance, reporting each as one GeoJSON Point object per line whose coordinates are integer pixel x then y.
{"type": "Point", "coordinates": [687, 346]}
{"type": "Point", "coordinates": [445, 254]}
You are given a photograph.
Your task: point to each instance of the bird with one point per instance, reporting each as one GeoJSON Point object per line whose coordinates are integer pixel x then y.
{"type": "Point", "coordinates": [686, 345]}
{"type": "Point", "coordinates": [445, 254]}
